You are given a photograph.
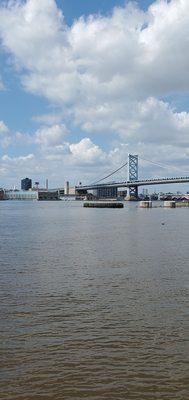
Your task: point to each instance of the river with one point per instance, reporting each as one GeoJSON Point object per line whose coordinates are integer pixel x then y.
{"type": "Point", "coordinates": [94, 302]}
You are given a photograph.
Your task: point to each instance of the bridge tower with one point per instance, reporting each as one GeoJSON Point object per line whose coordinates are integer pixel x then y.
{"type": "Point", "coordinates": [133, 175]}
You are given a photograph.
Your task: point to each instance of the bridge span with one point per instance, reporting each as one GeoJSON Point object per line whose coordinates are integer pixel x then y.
{"type": "Point", "coordinates": [132, 182]}
{"type": "Point", "coordinates": [128, 184]}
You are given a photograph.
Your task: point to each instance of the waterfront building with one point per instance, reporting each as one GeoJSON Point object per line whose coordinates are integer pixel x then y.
{"type": "Point", "coordinates": [31, 195]}
{"type": "Point", "coordinates": [20, 195]}
{"type": "Point", "coordinates": [26, 184]}
{"type": "Point", "coordinates": [106, 192]}
{"type": "Point", "coordinates": [48, 195]}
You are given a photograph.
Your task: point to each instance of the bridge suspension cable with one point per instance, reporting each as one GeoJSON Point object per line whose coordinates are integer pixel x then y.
{"type": "Point", "coordinates": [112, 173]}
{"type": "Point", "coordinates": [163, 165]}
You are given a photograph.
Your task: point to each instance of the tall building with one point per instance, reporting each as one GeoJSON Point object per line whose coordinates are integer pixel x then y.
{"type": "Point", "coordinates": [26, 184]}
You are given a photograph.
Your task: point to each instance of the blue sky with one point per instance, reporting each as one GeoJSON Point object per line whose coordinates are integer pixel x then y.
{"type": "Point", "coordinates": [74, 9]}
{"type": "Point", "coordinates": [17, 106]}
{"type": "Point", "coordinates": [85, 82]}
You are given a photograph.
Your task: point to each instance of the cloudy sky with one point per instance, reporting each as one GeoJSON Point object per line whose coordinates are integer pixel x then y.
{"type": "Point", "coordinates": [83, 83]}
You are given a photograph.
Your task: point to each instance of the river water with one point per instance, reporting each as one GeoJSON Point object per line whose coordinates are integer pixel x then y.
{"type": "Point", "coordinates": [94, 302]}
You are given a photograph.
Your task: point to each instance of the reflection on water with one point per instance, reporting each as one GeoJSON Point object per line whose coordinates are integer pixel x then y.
{"type": "Point", "coordinates": [93, 302]}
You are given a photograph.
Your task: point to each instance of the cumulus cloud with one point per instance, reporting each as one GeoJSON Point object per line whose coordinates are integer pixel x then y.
{"type": "Point", "coordinates": [73, 161]}
{"type": "Point", "coordinates": [154, 122]}
{"type": "Point", "coordinates": [51, 136]}
{"type": "Point", "coordinates": [127, 53]}
{"type": "Point", "coordinates": [86, 152]}
{"type": "Point", "coordinates": [54, 148]}
{"type": "Point", "coordinates": [106, 74]}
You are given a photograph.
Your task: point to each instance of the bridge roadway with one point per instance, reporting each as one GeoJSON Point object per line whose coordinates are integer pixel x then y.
{"type": "Point", "coordinates": [128, 184]}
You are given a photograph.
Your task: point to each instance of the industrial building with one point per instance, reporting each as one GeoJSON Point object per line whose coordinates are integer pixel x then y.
{"type": "Point", "coordinates": [26, 184]}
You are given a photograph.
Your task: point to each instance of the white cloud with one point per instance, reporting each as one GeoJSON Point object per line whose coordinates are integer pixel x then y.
{"type": "Point", "coordinates": [15, 168]}
{"type": "Point", "coordinates": [22, 138]}
{"type": "Point", "coordinates": [129, 53]}
{"type": "Point", "coordinates": [3, 128]}
{"type": "Point", "coordinates": [51, 136]}
{"type": "Point", "coordinates": [61, 162]}
{"type": "Point", "coordinates": [86, 152]}
{"type": "Point", "coordinates": [106, 75]}
{"type": "Point", "coordinates": [20, 159]}
{"type": "Point", "coordinates": [49, 119]}
{"type": "Point", "coordinates": [154, 121]}
{"type": "Point", "coordinates": [5, 138]}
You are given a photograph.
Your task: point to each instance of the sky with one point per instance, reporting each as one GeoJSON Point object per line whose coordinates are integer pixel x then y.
{"type": "Point", "coordinates": [83, 83]}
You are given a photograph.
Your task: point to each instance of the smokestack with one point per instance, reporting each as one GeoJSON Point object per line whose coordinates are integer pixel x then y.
{"type": "Point", "coordinates": [47, 184]}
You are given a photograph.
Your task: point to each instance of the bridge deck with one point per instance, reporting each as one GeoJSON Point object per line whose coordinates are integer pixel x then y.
{"type": "Point", "coordinates": [145, 182]}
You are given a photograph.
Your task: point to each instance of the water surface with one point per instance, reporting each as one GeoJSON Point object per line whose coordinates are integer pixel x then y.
{"type": "Point", "coordinates": [94, 302]}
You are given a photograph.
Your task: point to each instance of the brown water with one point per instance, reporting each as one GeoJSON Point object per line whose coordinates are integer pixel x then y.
{"type": "Point", "coordinates": [94, 302]}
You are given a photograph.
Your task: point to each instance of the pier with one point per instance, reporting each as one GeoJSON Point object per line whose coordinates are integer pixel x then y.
{"type": "Point", "coordinates": [103, 204]}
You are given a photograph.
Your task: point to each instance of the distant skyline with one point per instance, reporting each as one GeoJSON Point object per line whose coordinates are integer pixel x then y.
{"type": "Point", "coordinates": [82, 83]}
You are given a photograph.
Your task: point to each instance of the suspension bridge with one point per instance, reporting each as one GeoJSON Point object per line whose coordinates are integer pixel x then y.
{"type": "Point", "coordinates": [133, 182]}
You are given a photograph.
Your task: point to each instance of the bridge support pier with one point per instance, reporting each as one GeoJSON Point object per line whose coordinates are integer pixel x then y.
{"type": "Point", "coordinates": [133, 193]}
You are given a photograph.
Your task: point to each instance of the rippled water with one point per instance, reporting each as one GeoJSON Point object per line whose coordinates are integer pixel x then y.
{"type": "Point", "coordinates": [93, 302]}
